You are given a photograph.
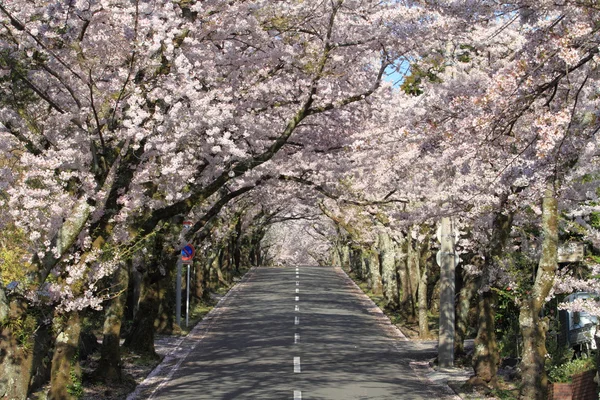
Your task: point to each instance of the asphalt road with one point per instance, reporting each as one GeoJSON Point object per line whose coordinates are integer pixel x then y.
{"type": "Point", "coordinates": [294, 333]}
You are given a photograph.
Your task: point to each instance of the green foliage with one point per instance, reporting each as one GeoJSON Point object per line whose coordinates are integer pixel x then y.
{"type": "Point", "coordinates": [507, 323]}
{"type": "Point", "coordinates": [14, 89]}
{"type": "Point", "coordinates": [429, 68]}
{"type": "Point", "coordinates": [22, 328]}
{"type": "Point", "coordinates": [13, 255]}
{"type": "Point", "coordinates": [464, 55]}
{"type": "Point", "coordinates": [558, 354]}
{"type": "Point", "coordinates": [426, 70]}
{"type": "Point", "coordinates": [75, 388]}
{"type": "Point", "coordinates": [418, 76]}
{"type": "Point", "coordinates": [595, 220]}
{"type": "Point", "coordinates": [504, 394]}
{"type": "Point", "coordinates": [564, 372]}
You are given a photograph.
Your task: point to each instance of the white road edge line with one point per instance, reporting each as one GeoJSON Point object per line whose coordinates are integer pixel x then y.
{"type": "Point", "coordinates": [297, 395]}
{"type": "Point", "coordinates": [296, 364]}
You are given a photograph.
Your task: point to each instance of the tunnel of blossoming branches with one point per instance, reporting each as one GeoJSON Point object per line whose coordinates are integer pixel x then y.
{"type": "Point", "coordinates": [293, 132]}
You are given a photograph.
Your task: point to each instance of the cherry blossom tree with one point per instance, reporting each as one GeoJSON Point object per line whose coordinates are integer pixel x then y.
{"type": "Point", "coordinates": [122, 115]}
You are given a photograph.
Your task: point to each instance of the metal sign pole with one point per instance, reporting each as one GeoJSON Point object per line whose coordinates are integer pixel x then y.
{"type": "Point", "coordinates": [178, 293]}
{"type": "Point", "coordinates": [187, 254]}
{"type": "Point", "coordinates": [187, 302]}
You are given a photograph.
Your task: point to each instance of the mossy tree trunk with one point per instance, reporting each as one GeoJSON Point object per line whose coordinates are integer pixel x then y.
{"type": "Point", "coordinates": [200, 292]}
{"type": "Point", "coordinates": [411, 278]}
{"type": "Point", "coordinates": [463, 308]}
{"type": "Point", "coordinates": [402, 268]}
{"type": "Point", "coordinates": [345, 256]}
{"type": "Point", "coordinates": [165, 318]}
{"type": "Point", "coordinates": [65, 376]}
{"type": "Point", "coordinates": [255, 248]}
{"type": "Point", "coordinates": [140, 339]}
{"type": "Point", "coordinates": [335, 257]}
{"type": "Point", "coordinates": [364, 264]}
{"type": "Point", "coordinates": [109, 367]}
{"type": "Point", "coordinates": [486, 357]}
{"type": "Point", "coordinates": [237, 244]}
{"type": "Point", "coordinates": [389, 277]}
{"type": "Point", "coordinates": [16, 340]}
{"type": "Point", "coordinates": [597, 340]}
{"type": "Point", "coordinates": [213, 266]}
{"type": "Point", "coordinates": [424, 260]}
{"type": "Point", "coordinates": [534, 382]}
{"type": "Point", "coordinates": [375, 272]}
{"type": "Point", "coordinates": [221, 266]}
{"type": "Point", "coordinates": [356, 262]}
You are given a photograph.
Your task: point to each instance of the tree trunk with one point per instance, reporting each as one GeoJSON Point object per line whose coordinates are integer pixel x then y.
{"type": "Point", "coordinates": [374, 272]}
{"type": "Point", "coordinates": [15, 358]}
{"type": "Point", "coordinates": [364, 265]}
{"type": "Point", "coordinates": [355, 262]}
{"type": "Point", "coordinates": [213, 266]}
{"type": "Point", "coordinates": [221, 267]}
{"type": "Point", "coordinates": [597, 340]}
{"type": "Point", "coordinates": [135, 283]}
{"type": "Point", "coordinates": [109, 366]}
{"type": "Point", "coordinates": [424, 260]}
{"type": "Point", "coordinates": [200, 292]}
{"type": "Point", "coordinates": [65, 377]}
{"type": "Point", "coordinates": [388, 271]}
{"type": "Point", "coordinates": [463, 308]}
{"type": "Point", "coordinates": [412, 278]}
{"type": "Point", "coordinates": [402, 268]}
{"type": "Point", "coordinates": [237, 251]}
{"type": "Point", "coordinates": [345, 256]}
{"type": "Point", "coordinates": [335, 257]}
{"type": "Point", "coordinates": [534, 382]}
{"type": "Point", "coordinates": [165, 322]}
{"type": "Point", "coordinates": [4, 307]}
{"type": "Point", "coordinates": [140, 338]}
{"type": "Point", "coordinates": [486, 357]}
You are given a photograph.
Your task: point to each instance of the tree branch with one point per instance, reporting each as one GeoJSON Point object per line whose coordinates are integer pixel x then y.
{"type": "Point", "coordinates": [328, 194]}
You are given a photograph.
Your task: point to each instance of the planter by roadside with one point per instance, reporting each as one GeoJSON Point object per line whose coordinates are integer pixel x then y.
{"type": "Point", "coordinates": [582, 387]}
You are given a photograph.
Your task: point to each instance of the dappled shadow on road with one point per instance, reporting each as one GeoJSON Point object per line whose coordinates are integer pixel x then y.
{"type": "Point", "coordinates": [250, 349]}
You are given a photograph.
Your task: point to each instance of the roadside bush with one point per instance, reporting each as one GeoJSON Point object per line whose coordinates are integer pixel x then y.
{"type": "Point", "coordinates": [563, 373]}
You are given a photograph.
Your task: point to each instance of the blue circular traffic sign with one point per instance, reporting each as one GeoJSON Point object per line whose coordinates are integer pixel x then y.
{"type": "Point", "coordinates": [187, 253]}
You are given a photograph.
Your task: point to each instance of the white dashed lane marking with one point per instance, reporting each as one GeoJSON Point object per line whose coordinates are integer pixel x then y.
{"type": "Point", "coordinates": [297, 393]}
{"type": "Point", "coordinates": [296, 364]}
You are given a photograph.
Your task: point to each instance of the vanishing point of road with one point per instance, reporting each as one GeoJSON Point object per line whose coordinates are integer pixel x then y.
{"type": "Point", "coordinates": [293, 333]}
